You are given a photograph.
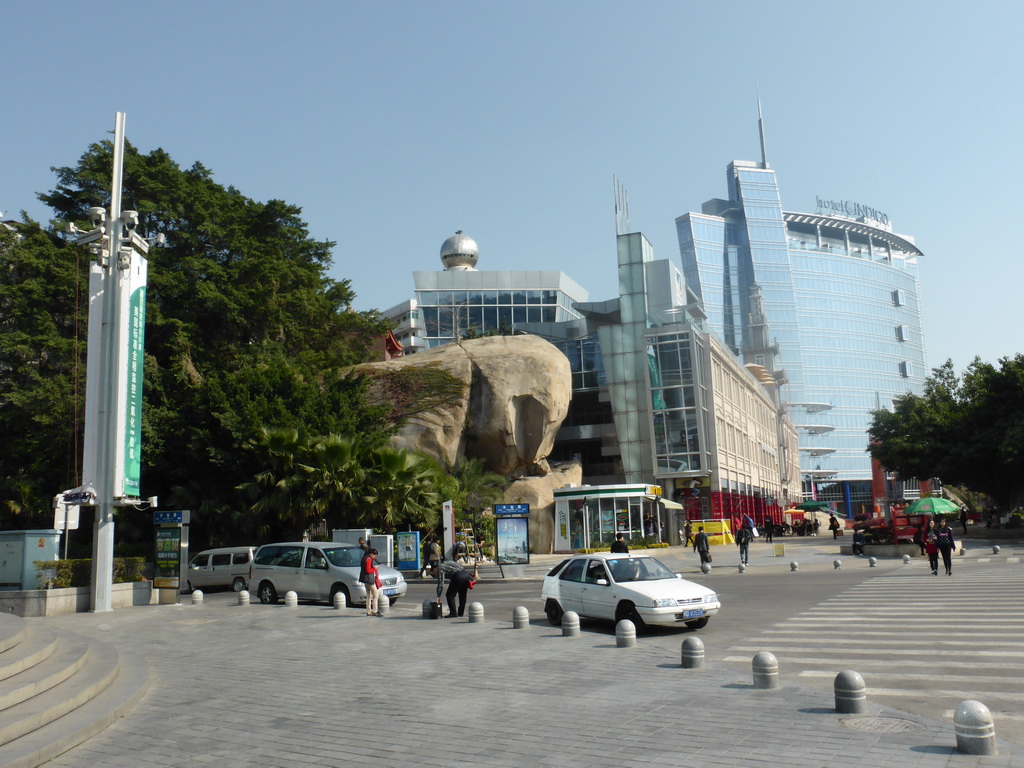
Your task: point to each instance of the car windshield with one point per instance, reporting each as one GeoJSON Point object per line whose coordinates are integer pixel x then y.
{"type": "Point", "coordinates": [638, 569]}
{"type": "Point", "coordinates": [344, 557]}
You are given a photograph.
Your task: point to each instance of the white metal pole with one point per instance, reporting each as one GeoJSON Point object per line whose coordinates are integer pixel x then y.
{"type": "Point", "coordinates": [108, 345]}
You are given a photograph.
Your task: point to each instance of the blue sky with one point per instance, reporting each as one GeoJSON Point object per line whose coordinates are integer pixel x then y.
{"type": "Point", "coordinates": [391, 123]}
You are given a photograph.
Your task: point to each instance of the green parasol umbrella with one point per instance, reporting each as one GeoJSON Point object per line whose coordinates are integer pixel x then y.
{"type": "Point", "coordinates": [810, 506]}
{"type": "Point", "coordinates": [931, 505]}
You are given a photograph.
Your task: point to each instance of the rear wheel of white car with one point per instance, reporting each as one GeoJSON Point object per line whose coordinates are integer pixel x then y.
{"type": "Point", "coordinates": [554, 612]}
{"type": "Point", "coordinates": [698, 623]}
{"type": "Point", "coordinates": [267, 593]}
{"type": "Point", "coordinates": [238, 584]}
{"type": "Point", "coordinates": [627, 610]}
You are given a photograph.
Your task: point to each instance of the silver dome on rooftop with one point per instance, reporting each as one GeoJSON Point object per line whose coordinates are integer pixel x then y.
{"type": "Point", "coordinates": [459, 252]}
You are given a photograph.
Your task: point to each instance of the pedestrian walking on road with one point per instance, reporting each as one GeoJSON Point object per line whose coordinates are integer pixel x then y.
{"type": "Point", "coordinates": [833, 525]}
{"type": "Point", "coordinates": [688, 531]}
{"type": "Point", "coordinates": [743, 538]}
{"type": "Point", "coordinates": [619, 545]}
{"type": "Point", "coordinates": [930, 546]}
{"type": "Point", "coordinates": [702, 546]}
{"type": "Point", "coordinates": [769, 529]}
{"type": "Point", "coordinates": [371, 580]}
{"type": "Point", "coordinates": [944, 536]}
{"type": "Point", "coordinates": [920, 533]}
{"type": "Point", "coordinates": [963, 519]}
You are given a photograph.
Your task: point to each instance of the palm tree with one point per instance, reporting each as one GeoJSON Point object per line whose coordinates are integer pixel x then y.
{"type": "Point", "coordinates": [279, 490]}
{"type": "Point", "coordinates": [399, 488]}
{"type": "Point", "coordinates": [336, 475]}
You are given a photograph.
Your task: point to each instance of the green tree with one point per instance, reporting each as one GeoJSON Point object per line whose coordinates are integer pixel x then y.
{"type": "Point", "coordinates": [244, 330]}
{"type": "Point", "coordinates": [967, 430]}
{"type": "Point", "coordinates": [43, 300]}
{"type": "Point", "coordinates": [400, 489]}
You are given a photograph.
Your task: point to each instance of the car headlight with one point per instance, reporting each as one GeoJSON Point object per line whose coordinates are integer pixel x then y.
{"type": "Point", "coordinates": [712, 598]}
{"type": "Point", "coordinates": [400, 579]}
{"type": "Point", "coordinates": [664, 602]}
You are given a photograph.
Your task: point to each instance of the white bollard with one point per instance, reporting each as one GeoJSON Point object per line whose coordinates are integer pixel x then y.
{"type": "Point", "coordinates": [975, 731]}
{"type": "Point", "coordinates": [625, 634]}
{"type": "Point", "coordinates": [383, 605]}
{"type": "Point", "coordinates": [995, 549]}
{"type": "Point", "coordinates": [906, 559]}
{"type": "Point", "coordinates": [872, 562]}
{"type": "Point", "coordinates": [197, 597]}
{"type": "Point", "coordinates": [742, 568]}
{"type": "Point", "coordinates": [692, 653]}
{"type": "Point", "coordinates": [794, 566]}
{"type": "Point", "coordinates": [837, 564]}
{"type": "Point", "coordinates": [476, 613]}
{"type": "Point", "coordinates": [339, 601]}
{"type": "Point", "coordinates": [570, 624]}
{"type": "Point", "coordinates": [243, 597]}
{"type": "Point", "coordinates": [520, 617]}
{"type": "Point", "coordinates": [766, 670]}
{"type": "Point", "coordinates": [849, 692]}
{"type": "Point", "coordinates": [705, 567]}
{"type": "Point", "coordinates": [291, 600]}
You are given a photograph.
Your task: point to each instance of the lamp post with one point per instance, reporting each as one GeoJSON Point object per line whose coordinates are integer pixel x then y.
{"type": "Point", "coordinates": [113, 401]}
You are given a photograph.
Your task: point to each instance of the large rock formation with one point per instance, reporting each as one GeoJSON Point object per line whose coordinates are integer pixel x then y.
{"type": "Point", "coordinates": [499, 398]}
{"type": "Point", "coordinates": [539, 493]}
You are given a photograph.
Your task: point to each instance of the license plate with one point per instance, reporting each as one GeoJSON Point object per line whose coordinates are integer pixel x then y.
{"type": "Point", "coordinates": [390, 592]}
{"type": "Point", "coordinates": [693, 613]}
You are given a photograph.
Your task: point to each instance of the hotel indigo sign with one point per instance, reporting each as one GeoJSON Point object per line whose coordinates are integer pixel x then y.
{"type": "Point", "coordinates": [851, 209]}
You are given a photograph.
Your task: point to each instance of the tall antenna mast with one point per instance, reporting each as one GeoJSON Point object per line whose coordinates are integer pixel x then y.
{"type": "Point", "coordinates": [760, 130]}
{"type": "Point", "coordinates": [622, 225]}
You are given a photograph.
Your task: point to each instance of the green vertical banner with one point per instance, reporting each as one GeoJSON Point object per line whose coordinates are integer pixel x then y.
{"type": "Point", "coordinates": [133, 394]}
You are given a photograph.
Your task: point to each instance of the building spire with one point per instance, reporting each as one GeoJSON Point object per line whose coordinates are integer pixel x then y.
{"type": "Point", "coordinates": [760, 130]}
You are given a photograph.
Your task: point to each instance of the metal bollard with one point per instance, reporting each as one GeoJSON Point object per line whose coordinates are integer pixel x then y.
{"type": "Point", "coordinates": [692, 653]}
{"type": "Point", "coordinates": [570, 624]}
{"type": "Point", "coordinates": [291, 600]}
{"type": "Point", "coordinates": [197, 597]}
{"type": "Point", "coordinates": [625, 634]}
{"type": "Point", "coordinates": [849, 691]}
{"type": "Point", "coordinates": [520, 617]}
{"type": "Point", "coordinates": [975, 731]}
{"type": "Point", "coordinates": [476, 613]}
{"type": "Point", "coordinates": [794, 566]}
{"type": "Point", "coordinates": [742, 567]}
{"type": "Point", "coordinates": [837, 564]}
{"type": "Point", "coordinates": [766, 670]}
{"type": "Point", "coordinates": [339, 601]}
{"type": "Point", "coordinates": [872, 562]}
{"type": "Point", "coordinates": [243, 597]}
{"type": "Point", "coordinates": [383, 605]}
{"type": "Point", "coordinates": [995, 549]}
{"type": "Point", "coordinates": [705, 567]}
{"type": "Point", "coordinates": [906, 559]}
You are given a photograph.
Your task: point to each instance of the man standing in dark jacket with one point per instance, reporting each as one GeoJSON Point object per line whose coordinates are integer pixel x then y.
{"type": "Point", "coordinates": [460, 581]}
{"type": "Point", "coordinates": [702, 546]}
{"type": "Point", "coordinates": [619, 545]}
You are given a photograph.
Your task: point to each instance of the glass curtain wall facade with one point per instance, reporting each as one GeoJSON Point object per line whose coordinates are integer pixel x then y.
{"type": "Point", "coordinates": [841, 302]}
{"type": "Point", "coordinates": [454, 304]}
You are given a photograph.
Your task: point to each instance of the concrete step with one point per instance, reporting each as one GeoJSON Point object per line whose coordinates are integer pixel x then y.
{"type": "Point", "coordinates": [56, 701]}
{"type": "Point", "coordinates": [46, 742]}
{"type": "Point", "coordinates": [37, 643]}
{"type": "Point", "coordinates": [67, 659]}
{"type": "Point", "coordinates": [12, 630]}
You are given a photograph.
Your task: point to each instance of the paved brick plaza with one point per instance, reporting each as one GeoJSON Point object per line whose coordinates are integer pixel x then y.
{"type": "Point", "coordinates": [273, 686]}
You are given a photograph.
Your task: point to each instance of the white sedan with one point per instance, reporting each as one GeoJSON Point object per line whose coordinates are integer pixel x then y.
{"type": "Point", "coordinates": [612, 586]}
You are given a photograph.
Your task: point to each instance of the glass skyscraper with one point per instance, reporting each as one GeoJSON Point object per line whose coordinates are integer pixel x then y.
{"type": "Point", "coordinates": [828, 304]}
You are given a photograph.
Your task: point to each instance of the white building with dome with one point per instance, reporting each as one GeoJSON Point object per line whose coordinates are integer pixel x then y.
{"type": "Point", "coordinates": [462, 300]}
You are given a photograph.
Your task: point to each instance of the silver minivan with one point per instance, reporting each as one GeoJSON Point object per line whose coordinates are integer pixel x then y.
{"type": "Point", "coordinates": [317, 570]}
{"type": "Point", "coordinates": [223, 567]}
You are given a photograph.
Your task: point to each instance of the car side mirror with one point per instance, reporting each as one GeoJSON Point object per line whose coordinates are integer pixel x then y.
{"type": "Point", "coordinates": [602, 582]}
{"type": "Point", "coordinates": [679, 575]}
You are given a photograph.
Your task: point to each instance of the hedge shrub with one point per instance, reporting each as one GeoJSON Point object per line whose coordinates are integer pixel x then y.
{"type": "Point", "coordinates": [57, 574]}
